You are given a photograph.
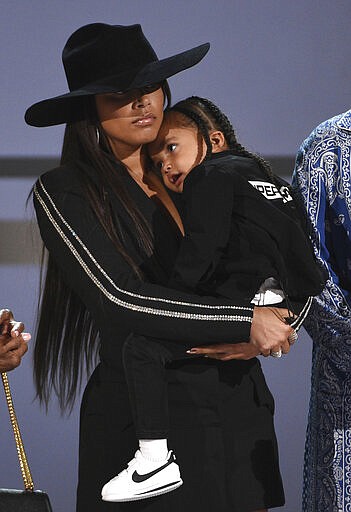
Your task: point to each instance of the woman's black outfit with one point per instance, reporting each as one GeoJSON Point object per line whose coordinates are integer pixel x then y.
{"type": "Point", "coordinates": [225, 447]}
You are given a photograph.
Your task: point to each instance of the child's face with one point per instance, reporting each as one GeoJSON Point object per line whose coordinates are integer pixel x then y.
{"type": "Point", "coordinates": [178, 148]}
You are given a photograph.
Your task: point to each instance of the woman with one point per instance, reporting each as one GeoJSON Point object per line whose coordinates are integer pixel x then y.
{"type": "Point", "coordinates": [112, 232]}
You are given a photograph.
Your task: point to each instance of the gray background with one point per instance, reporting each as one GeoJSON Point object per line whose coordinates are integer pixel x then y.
{"type": "Point", "coordinates": [277, 67]}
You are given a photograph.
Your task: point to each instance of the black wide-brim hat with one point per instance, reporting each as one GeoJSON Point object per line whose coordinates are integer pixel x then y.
{"type": "Point", "coordinates": [100, 58]}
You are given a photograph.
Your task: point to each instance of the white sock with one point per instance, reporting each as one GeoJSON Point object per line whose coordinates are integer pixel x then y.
{"type": "Point", "coordinates": [154, 449]}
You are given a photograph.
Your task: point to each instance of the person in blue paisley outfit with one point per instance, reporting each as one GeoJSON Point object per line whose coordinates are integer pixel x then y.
{"type": "Point", "coordinates": [323, 177]}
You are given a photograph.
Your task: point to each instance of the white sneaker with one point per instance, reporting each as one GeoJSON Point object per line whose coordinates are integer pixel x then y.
{"type": "Point", "coordinates": [143, 479]}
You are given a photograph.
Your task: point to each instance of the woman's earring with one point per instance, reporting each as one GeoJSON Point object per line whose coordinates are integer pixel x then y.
{"type": "Point", "coordinates": [97, 135]}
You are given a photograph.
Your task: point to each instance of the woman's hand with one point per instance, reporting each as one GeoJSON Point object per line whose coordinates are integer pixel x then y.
{"type": "Point", "coordinates": [227, 351]}
{"type": "Point", "coordinates": [269, 334]}
{"type": "Point", "coordinates": [13, 341]}
{"type": "Point", "coordinates": [269, 331]}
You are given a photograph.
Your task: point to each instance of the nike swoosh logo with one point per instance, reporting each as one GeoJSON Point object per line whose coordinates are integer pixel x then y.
{"type": "Point", "coordinates": [141, 478]}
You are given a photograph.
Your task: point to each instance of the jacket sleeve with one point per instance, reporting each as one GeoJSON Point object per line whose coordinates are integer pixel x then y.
{"type": "Point", "coordinates": [208, 198]}
{"type": "Point", "coordinates": [105, 281]}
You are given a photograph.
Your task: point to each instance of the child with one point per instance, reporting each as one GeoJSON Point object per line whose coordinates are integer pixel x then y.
{"type": "Point", "coordinates": [244, 238]}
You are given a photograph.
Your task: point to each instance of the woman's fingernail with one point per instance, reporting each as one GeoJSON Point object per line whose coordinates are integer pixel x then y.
{"type": "Point", "coordinates": [16, 333]}
{"type": "Point", "coordinates": [26, 336]}
{"type": "Point", "coordinates": [192, 351]}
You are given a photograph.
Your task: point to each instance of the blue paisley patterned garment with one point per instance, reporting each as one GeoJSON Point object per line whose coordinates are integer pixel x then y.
{"type": "Point", "coordinates": [323, 177]}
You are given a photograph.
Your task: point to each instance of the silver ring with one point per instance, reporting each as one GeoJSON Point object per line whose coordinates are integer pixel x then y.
{"type": "Point", "coordinates": [276, 354]}
{"type": "Point", "coordinates": [292, 337]}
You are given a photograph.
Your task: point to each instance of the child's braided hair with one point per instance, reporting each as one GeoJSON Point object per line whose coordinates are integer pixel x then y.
{"type": "Point", "coordinates": [207, 116]}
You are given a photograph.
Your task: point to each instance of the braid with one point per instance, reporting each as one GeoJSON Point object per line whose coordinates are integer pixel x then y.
{"type": "Point", "coordinates": [200, 122]}
{"type": "Point", "coordinates": [261, 161]}
{"type": "Point", "coordinates": [218, 118]}
{"type": "Point", "coordinates": [207, 116]}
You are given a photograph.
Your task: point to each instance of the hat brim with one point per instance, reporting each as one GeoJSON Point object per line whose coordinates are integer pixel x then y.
{"type": "Point", "coordinates": [63, 109]}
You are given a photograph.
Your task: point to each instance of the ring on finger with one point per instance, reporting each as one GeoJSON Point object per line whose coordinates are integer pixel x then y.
{"type": "Point", "coordinates": [276, 354]}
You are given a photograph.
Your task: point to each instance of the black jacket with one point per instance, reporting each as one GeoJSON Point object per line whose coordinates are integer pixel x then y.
{"type": "Point", "coordinates": [107, 284]}
{"type": "Point", "coordinates": [240, 230]}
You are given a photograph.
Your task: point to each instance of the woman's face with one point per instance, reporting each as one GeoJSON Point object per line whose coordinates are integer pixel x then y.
{"type": "Point", "coordinates": [131, 119]}
{"type": "Point", "coordinates": [179, 147]}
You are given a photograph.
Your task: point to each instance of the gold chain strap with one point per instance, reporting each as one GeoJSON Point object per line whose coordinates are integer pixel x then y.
{"type": "Point", "coordinates": [25, 471]}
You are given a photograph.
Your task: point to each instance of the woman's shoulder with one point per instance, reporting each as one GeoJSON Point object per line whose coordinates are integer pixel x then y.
{"type": "Point", "coordinates": [62, 178]}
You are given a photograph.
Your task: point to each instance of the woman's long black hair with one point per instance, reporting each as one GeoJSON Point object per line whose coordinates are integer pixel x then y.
{"type": "Point", "coordinates": [66, 339]}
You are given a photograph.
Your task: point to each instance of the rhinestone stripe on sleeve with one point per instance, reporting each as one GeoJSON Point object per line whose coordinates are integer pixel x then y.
{"type": "Point", "coordinates": [143, 297]}
{"type": "Point", "coordinates": [134, 307]}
